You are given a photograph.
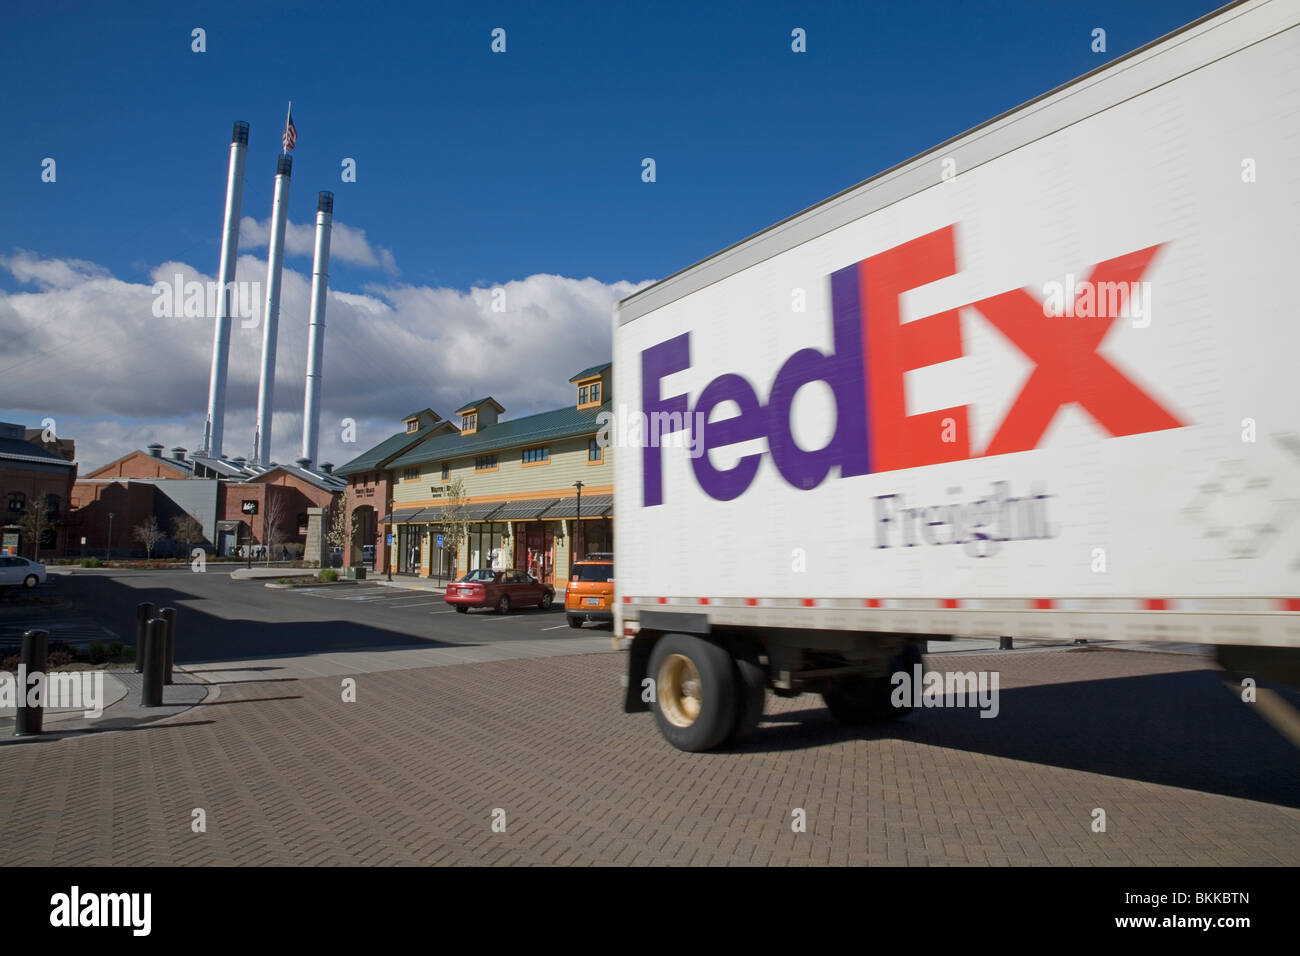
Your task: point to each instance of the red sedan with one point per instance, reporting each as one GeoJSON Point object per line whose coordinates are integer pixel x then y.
{"type": "Point", "coordinates": [499, 589]}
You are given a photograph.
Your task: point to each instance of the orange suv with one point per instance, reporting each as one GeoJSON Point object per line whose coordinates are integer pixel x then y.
{"type": "Point", "coordinates": [590, 594]}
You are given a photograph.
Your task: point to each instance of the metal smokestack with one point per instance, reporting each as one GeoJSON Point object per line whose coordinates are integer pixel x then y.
{"type": "Point", "coordinates": [271, 314]}
{"type": "Point", "coordinates": [320, 280]}
{"type": "Point", "coordinates": [212, 428]}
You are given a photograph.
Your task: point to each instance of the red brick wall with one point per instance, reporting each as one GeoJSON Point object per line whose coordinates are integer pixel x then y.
{"type": "Point", "coordinates": [138, 464]}
{"type": "Point", "coordinates": [130, 505]}
{"type": "Point", "coordinates": [34, 486]}
{"type": "Point", "coordinates": [371, 490]}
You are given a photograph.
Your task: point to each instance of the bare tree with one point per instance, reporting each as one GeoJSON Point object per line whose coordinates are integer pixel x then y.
{"type": "Point", "coordinates": [148, 534]}
{"type": "Point", "coordinates": [35, 524]}
{"type": "Point", "coordinates": [453, 519]}
{"type": "Point", "coordinates": [273, 517]}
{"type": "Point", "coordinates": [186, 528]}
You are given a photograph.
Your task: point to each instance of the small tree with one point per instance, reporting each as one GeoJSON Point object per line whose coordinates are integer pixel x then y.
{"type": "Point", "coordinates": [341, 531]}
{"type": "Point", "coordinates": [273, 516]}
{"type": "Point", "coordinates": [186, 528]}
{"type": "Point", "coordinates": [453, 519]}
{"type": "Point", "coordinates": [35, 524]}
{"type": "Point", "coordinates": [148, 534]}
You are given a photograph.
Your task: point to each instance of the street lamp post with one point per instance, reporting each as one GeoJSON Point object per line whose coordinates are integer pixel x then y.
{"type": "Point", "coordinates": [108, 545]}
{"type": "Point", "coordinates": [577, 528]}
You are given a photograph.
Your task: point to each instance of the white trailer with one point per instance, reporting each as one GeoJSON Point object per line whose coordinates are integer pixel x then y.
{"type": "Point", "coordinates": [1039, 382]}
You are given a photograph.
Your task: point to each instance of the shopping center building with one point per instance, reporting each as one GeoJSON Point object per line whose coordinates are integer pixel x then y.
{"type": "Point", "coordinates": [537, 490]}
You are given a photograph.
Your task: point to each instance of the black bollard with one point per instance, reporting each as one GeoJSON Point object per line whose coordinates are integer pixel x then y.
{"type": "Point", "coordinates": [30, 720]}
{"type": "Point", "coordinates": [1004, 644]}
{"type": "Point", "coordinates": [155, 645]}
{"type": "Point", "coordinates": [144, 613]}
{"type": "Point", "coordinates": [169, 648]}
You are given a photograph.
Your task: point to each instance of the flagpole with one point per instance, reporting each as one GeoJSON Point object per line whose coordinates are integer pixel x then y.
{"type": "Point", "coordinates": [287, 115]}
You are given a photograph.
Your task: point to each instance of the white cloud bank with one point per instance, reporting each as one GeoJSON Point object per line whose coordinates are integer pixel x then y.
{"type": "Point", "coordinates": [85, 349]}
{"type": "Point", "coordinates": [346, 243]}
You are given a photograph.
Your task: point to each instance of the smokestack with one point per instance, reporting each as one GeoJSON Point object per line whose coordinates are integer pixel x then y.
{"type": "Point", "coordinates": [320, 280]}
{"type": "Point", "coordinates": [212, 428]}
{"type": "Point", "coordinates": [271, 314]}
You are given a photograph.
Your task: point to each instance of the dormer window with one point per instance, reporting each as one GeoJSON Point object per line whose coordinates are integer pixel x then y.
{"type": "Point", "coordinates": [595, 392]}
{"type": "Point", "coordinates": [412, 426]}
{"type": "Point", "coordinates": [582, 395]}
{"type": "Point", "coordinates": [469, 423]}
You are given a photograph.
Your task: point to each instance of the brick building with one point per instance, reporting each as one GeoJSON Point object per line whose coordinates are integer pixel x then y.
{"type": "Point", "coordinates": [33, 472]}
{"type": "Point", "coordinates": [232, 502]}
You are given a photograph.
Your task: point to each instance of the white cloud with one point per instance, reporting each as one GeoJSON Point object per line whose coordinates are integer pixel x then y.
{"type": "Point", "coordinates": [87, 350]}
{"type": "Point", "coordinates": [346, 243]}
{"type": "Point", "coordinates": [51, 273]}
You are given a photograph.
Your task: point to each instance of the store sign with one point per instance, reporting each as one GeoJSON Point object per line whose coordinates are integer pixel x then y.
{"type": "Point", "coordinates": [437, 491]}
{"type": "Point", "coordinates": [249, 507]}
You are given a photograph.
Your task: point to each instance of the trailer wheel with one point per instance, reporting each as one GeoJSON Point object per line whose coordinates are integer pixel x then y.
{"type": "Point", "coordinates": [695, 692]}
{"type": "Point", "coordinates": [751, 692]}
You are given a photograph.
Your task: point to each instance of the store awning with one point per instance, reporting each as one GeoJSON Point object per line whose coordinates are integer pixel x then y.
{"type": "Point", "coordinates": [483, 510]}
{"type": "Point", "coordinates": [524, 510]}
{"type": "Point", "coordinates": [400, 517]}
{"type": "Point", "coordinates": [593, 506]}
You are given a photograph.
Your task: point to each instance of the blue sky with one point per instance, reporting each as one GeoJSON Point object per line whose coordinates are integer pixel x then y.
{"type": "Point", "coordinates": [475, 168]}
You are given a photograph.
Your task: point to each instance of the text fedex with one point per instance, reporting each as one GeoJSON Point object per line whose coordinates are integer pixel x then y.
{"type": "Point", "coordinates": [872, 351]}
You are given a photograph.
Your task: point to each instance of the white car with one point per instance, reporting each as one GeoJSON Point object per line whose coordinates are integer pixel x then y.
{"type": "Point", "coordinates": [20, 571]}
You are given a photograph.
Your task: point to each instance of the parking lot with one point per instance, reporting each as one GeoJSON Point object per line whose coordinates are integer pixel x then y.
{"type": "Point", "coordinates": [220, 618]}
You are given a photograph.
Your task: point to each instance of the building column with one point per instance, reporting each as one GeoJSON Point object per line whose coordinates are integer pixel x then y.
{"type": "Point", "coordinates": [315, 550]}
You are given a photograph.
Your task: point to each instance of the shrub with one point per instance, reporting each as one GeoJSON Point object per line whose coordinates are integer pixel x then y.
{"type": "Point", "coordinates": [91, 563]}
{"type": "Point", "coordinates": [115, 649]}
{"type": "Point", "coordinates": [329, 574]}
{"type": "Point", "coordinates": [97, 652]}
{"type": "Point", "coordinates": [11, 663]}
{"type": "Point", "coordinates": [57, 659]}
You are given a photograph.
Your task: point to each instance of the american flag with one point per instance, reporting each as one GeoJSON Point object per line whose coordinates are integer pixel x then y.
{"type": "Point", "coordinates": [290, 134]}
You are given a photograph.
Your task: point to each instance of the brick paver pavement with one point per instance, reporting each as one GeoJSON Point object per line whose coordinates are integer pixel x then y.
{"type": "Point", "coordinates": [411, 773]}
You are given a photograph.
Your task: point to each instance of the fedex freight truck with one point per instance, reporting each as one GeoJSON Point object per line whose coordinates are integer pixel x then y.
{"type": "Point", "coordinates": [1040, 382]}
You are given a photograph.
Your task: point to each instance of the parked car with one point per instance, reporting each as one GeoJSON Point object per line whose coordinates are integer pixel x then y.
{"type": "Point", "coordinates": [15, 572]}
{"type": "Point", "coordinates": [590, 594]}
{"type": "Point", "coordinates": [498, 589]}
{"type": "Point", "coordinates": [367, 554]}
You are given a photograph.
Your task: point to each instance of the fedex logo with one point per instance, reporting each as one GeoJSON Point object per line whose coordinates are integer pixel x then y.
{"type": "Point", "coordinates": [872, 351]}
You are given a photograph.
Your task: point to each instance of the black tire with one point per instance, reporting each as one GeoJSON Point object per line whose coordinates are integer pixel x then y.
{"type": "Point", "coordinates": [545, 602]}
{"type": "Point", "coordinates": [30, 581]}
{"type": "Point", "coordinates": [692, 718]}
{"type": "Point", "coordinates": [461, 609]}
{"type": "Point", "coordinates": [503, 604]}
{"type": "Point", "coordinates": [751, 692]}
{"type": "Point", "coordinates": [857, 700]}
{"type": "Point", "coordinates": [574, 621]}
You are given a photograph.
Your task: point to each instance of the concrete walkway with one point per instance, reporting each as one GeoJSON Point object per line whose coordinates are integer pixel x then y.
{"type": "Point", "coordinates": [123, 689]}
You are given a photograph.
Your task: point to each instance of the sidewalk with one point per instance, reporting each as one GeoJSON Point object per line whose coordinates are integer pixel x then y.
{"type": "Point", "coordinates": [408, 582]}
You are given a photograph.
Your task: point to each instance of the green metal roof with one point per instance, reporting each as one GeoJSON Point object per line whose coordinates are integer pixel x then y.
{"type": "Point", "coordinates": [393, 445]}
{"type": "Point", "coordinates": [546, 426]}
{"type": "Point", "coordinates": [435, 415]}
{"type": "Point", "coordinates": [472, 406]}
{"type": "Point", "coordinates": [589, 372]}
